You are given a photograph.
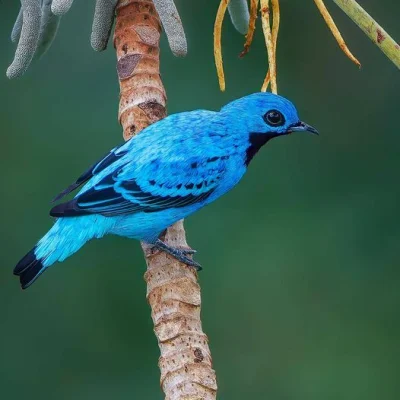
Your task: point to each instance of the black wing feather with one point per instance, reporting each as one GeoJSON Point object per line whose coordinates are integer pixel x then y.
{"type": "Point", "coordinates": [110, 203]}
{"type": "Point", "coordinates": [100, 165]}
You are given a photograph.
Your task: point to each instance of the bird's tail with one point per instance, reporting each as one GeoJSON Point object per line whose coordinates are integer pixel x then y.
{"type": "Point", "coordinates": [65, 238]}
{"type": "Point", "coordinates": [29, 268]}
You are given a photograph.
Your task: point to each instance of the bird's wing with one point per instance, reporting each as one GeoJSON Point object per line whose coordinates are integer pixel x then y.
{"type": "Point", "coordinates": [114, 155]}
{"type": "Point", "coordinates": [148, 186]}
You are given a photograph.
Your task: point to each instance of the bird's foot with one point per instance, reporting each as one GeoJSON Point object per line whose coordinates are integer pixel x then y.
{"type": "Point", "coordinates": [179, 254]}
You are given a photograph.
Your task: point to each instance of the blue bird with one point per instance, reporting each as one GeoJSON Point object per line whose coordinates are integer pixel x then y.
{"type": "Point", "coordinates": [167, 172]}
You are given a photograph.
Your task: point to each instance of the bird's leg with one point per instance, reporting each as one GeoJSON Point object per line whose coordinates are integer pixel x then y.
{"type": "Point", "coordinates": [179, 254]}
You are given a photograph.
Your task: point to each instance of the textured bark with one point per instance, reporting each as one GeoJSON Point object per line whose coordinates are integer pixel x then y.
{"type": "Point", "coordinates": [172, 289]}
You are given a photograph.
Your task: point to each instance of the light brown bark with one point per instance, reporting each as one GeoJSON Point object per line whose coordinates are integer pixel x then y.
{"type": "Point", "coordinates": [172, 289]}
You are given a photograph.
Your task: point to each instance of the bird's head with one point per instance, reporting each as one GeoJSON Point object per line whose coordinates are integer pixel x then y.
{"type": "Point", "coordinates": [267, 115]}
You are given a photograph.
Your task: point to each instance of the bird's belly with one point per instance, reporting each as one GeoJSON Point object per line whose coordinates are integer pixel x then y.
{"type": "Point", "coordinates": [148, 226]}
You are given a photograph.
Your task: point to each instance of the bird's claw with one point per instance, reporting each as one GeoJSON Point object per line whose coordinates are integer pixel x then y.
{"type": "Point", "coordinates": [179, 254]}
{"type": "Point", "coordinates": [188, 251]}
{"type": "Point", "coordinates": [190, 262]}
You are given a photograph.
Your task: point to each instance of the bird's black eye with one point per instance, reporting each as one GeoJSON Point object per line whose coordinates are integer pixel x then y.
{"type": "Point", "coordinates": [274, 118]}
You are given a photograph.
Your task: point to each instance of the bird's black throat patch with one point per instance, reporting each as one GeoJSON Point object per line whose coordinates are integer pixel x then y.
{"type": "Point", "coordinates": [257, 140]}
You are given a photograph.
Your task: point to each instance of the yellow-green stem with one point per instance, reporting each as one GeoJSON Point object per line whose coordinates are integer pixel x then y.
{"type": "Point", "coordinates": [372, 29]}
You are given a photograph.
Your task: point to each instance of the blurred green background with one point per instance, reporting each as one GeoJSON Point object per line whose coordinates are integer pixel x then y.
{"type": "Point", "coordinates": [301, 261]}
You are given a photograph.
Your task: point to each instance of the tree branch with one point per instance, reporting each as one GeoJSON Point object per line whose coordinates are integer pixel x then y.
{"type": "Point", "coordinates": [172, 289]}
{"type": "Point", "coordinates": [372, 29]}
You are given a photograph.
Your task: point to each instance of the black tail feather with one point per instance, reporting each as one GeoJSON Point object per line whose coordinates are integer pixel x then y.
{"type": "Point", "coordinates": [28, 269]}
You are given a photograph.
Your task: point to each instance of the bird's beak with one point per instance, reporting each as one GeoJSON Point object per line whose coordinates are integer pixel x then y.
{"type": "Point", "coordinates": [302, 127]}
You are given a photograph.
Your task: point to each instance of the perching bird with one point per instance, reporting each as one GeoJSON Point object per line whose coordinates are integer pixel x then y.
{"type": "Point", "coordinates": [167, 172]}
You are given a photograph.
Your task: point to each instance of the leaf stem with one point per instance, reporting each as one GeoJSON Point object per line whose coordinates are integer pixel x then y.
{"type": "Point", "coordinates": [266, 25]}
{"type": "Point", "coordinates": [335, 31]}
{"type": "Point", "coordinates": [223, 5]}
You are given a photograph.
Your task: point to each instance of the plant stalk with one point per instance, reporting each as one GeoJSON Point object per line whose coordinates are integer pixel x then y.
{"type": "Point", "coordinates": [172, 288]}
